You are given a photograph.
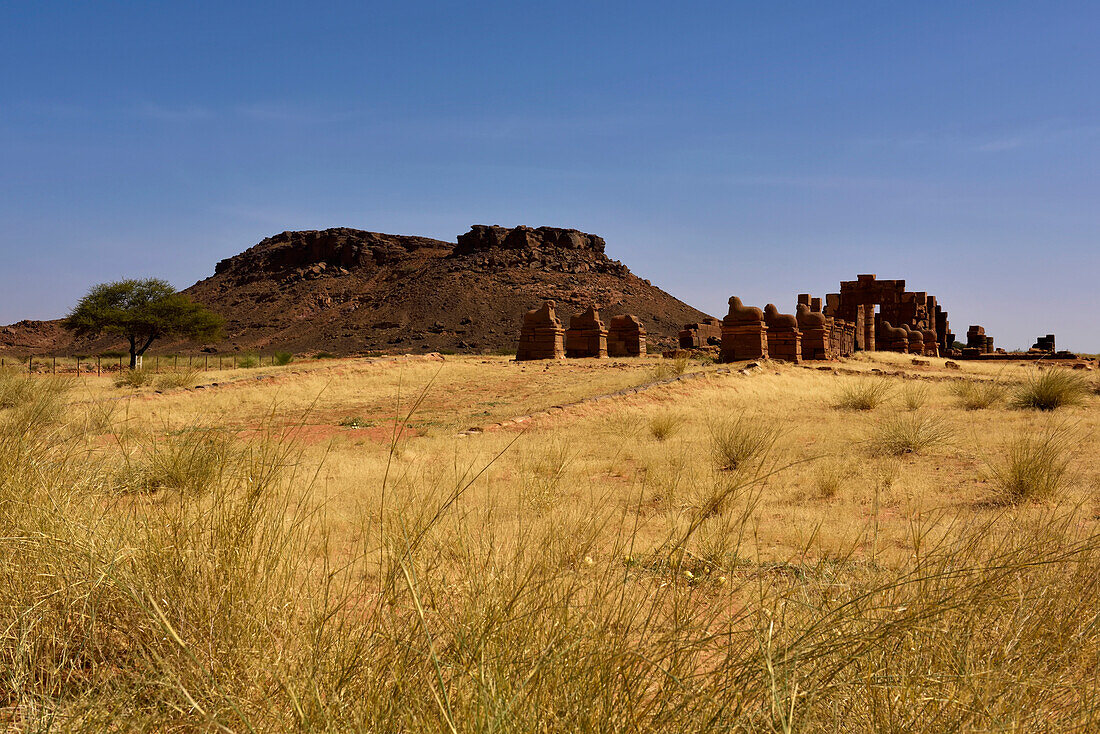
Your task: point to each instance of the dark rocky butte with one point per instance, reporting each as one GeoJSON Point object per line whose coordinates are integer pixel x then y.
{"type": "Point", "coordinates": [349, 291]}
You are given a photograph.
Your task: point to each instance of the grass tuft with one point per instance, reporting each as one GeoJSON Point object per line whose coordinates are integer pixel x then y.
{"type": "Point", "coordinates": [664, 425]}
{"type": "Point", "coordinates": [736, 442]}
{"type": "Point", "coordinates": [908, 433]}
{"type": "Point", "coordinates": [134, 378]}
{"type": "Point", "coordinates": [1034, 465]}
{"type": "Point", "coordinates": [176, 380]}
{"type": "Point", "coordinates": [914, 395]}
{"type": "Point", "coordinates": [189, 462]}
{"type": "Point", "coordinates": [1051, 389]}
{"type": "Point", "coordinates": [978, 395]}
{"type": "Point", "coordinates": [866, 393]}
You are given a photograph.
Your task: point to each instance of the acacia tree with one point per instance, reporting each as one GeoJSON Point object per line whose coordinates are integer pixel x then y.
{"type": "Point", "coordinates": [142, 311]}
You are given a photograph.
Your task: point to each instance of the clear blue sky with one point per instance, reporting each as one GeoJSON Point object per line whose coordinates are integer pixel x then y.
{"type": "Point", "coordinates": [760, 149]}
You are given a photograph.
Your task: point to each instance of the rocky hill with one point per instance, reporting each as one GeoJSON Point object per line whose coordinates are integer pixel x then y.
{"type": "Point", "coordinates": [348, 291]}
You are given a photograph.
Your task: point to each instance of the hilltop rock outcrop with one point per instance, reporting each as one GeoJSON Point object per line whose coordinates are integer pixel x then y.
{"type": "Point", "coordinates": [347, 291]}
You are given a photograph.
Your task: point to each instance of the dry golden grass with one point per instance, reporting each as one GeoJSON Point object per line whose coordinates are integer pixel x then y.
{"type": "Point", "coordinates": [235, 559]}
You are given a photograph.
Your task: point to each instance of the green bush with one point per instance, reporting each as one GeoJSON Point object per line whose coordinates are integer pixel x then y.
{"type": "Point", "coordinates": [248, 361]}
{"type": "Point", "coordinates": [1051, 389]}
{"type": "Point", "coordinates": [282, 358]}
{"type": "Point", "coordinates": [324, 355]}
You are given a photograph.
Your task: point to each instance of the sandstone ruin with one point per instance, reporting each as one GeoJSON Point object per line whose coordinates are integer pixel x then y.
{"type": "Point", "coordinates": [784, 338]}
{"type": "Point", "coordinates": [586, 335]}
{"type": "Point", "coordinates": [815, 332]}
{"type": "Point", "coordinates": [744, 333]}
{"type": "Point", "coordinates": [867, 314]}
{"type": "Point", "coordinates": [1044, 344]}
{"type": "Point", "coordinates": [626, 337]}
{"type": "Point", "coordinates": [706, 333]}
{"type": "Point", "coordinates": [977, 341]}
{"type": "Point", "coordinates": [542, 335]}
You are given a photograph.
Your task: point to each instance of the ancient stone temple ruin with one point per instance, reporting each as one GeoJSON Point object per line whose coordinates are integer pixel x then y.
{"type": "Point", "coordinates": [744, 333]}
{"type": "Point", "coordinates": [626, 337]}
{"type": "Point", "coordinates": [890, 338]}
{"type": "Point", "coordinates": [814, 330]}
{"type": "Point", "coordinates": [707, 332]}
{"type": "Point", "coordinates": [866, 301]}
{"type": "Point", "coordinates": [784, 338]}
{"type": "Point", "coordinates": [976, 339]}
{"type": "Point", "coordinates": [866, 314]}
{"type": "Point", "coordinates": [586, 335]}
{"type": "Point", "coordinates": [542, 335]}
{"type": "Point", "coordinates": [1044, 344]}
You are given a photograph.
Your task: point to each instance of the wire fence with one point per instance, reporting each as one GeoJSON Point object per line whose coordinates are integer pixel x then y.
{"type": "Point", "coordinates": [157, 364]}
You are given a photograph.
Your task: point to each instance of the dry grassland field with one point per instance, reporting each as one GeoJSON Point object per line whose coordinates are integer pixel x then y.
{"type": "Point", "coordinates": [472, 544]}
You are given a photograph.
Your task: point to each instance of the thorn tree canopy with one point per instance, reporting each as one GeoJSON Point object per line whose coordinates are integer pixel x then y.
{"type": "Point", "coordinates": [143, 311]}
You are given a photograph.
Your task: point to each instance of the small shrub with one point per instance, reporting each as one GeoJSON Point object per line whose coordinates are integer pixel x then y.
{"type": "Point", "coordinates": [134, 378]}
{"type": "Point", "coordinates": [908, 433]}
{"type": "Point", "coordinates": [248, 361]}
{"type": "Point", "coordinates": [282, 359]}
{"type": "Point", "coordinates": [736, 442]}
{"type": "Point", "coordinates": [324, 355]}
{"type": "Point", "coordinates": [353, 423]}
{"type": "Point", "coordinates": [1051, 389]}
{"type": "Point", "coordinates": [978, 395]}
{"type": "Point", "coordinates": [664, 425]}
{"type": "Point", "coordinates": [864, 394]}
{"type": "Point", "coordinates": [914, 395]}
{"type": "Point", "coordinates": [1034, 466]}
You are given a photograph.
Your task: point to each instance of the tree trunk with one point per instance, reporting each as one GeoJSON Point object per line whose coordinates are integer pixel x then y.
{"type": "Point", "coordinates": [135, 351]}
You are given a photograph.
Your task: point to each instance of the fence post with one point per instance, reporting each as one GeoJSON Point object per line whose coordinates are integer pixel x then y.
{"type": "Point", "coordinates": [30, 365]}
{"type": "Point", "coordinates": [98, 366]}
{"type": "Point", "coordinates": [120, 364]}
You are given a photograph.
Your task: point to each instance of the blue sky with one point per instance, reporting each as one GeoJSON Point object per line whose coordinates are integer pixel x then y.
{"type": "Point", "coordinates": [757, 149]}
